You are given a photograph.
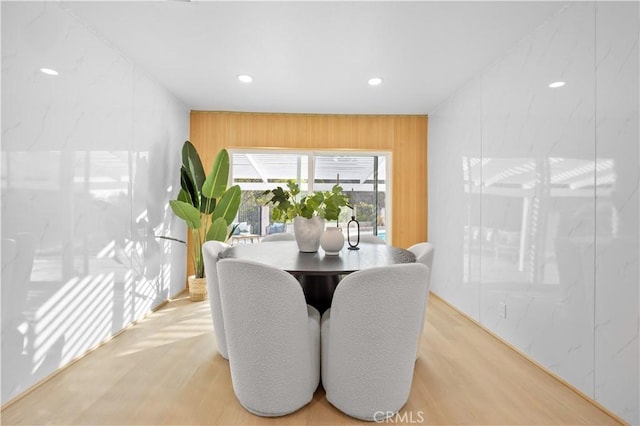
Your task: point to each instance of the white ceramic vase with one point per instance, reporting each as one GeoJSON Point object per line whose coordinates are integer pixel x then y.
{"type": "Point", "coordinates": [332, 241]}
{"type": "Point", "coordinates": [308, 233]}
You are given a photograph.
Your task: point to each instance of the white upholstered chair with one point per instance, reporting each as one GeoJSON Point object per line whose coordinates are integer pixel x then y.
{"type": "Point", "coordinates": [273, 337]}
{"type": "Point", "coordinates": [210, 252]}
{"type": "Point", "coordinates": [281, 236]}
{"type": "Point", "coordinates": [424, 254]}
{"type": "Point", "coordinates": [370, 238]}
{"type": "Point", "coordinates": [369, 339]}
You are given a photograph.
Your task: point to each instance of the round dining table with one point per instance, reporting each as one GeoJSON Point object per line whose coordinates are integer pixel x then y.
{"type": "Point", "coordinates": [318, 272]}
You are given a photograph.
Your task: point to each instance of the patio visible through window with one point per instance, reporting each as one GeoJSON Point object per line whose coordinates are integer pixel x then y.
{"type": "Point", "coordinates": [362, 175]}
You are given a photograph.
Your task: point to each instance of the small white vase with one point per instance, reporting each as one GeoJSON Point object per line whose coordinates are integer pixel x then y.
{"type": "Point", "coordinates": [308, 232]}
{"type": "Point", "coordinates": [332, 241]}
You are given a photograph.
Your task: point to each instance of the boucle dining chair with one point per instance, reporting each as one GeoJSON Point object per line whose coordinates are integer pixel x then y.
{"type": "Point", "coordinates": [424, 254]}
{"type": "Point", "coordinates": [281, 236]}
{"type": "Point", "coordinates": [273, 337]}
{"type": "Point", "coordinates": [210, 252]}
{"type": "Point", "coordinates": [369, 340]}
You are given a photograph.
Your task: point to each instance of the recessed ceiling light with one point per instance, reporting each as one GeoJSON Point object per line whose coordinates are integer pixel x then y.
{"type": "Point", "coordinates": [375, 81]}
{"type": "Point", "coordinates": [556, 84]}
{"type": "Point", "coordinates": [48, 71]}
{"type": "Point", "coordinates": [245, 78]}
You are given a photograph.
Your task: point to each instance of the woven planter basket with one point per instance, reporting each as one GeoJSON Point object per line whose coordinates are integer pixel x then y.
{"type": "Point", "coordinates": [197, 289]}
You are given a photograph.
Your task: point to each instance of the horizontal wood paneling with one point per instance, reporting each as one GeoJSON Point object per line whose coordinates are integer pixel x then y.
{"type": "Point", "coordinates": [404, 136]}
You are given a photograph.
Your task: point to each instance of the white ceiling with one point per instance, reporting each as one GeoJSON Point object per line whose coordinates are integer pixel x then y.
{"type": "Point", "coordinates": [313, 57]}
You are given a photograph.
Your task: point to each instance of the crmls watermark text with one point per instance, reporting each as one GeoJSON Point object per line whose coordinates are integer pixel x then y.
{"type": "Point", "coordinates": [404, 418]}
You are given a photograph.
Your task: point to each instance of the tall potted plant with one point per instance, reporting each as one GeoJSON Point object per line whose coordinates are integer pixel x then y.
{"type": "Point", "coordinates": [207, 206]}
{"type": "Point", "coordinates": [308, 212]}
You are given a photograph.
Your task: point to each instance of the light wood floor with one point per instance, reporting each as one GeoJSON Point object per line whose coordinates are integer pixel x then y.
{"type": "Point", "coordinates": [165, 370]}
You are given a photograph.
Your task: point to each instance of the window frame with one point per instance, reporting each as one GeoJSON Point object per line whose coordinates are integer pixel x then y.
{"type": "Point", "coordinates": [312, 153]}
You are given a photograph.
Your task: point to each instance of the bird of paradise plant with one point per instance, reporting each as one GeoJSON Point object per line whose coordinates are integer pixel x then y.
{"type": "Point", "coordinates": [205, 203]}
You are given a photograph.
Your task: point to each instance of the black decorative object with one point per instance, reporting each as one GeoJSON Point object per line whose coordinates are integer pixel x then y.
{"type": "Point", "coordinates": [357, 225]}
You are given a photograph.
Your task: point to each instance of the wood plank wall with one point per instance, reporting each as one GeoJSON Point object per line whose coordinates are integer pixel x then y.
{"type": "Point", "coordinates": [404, 136]}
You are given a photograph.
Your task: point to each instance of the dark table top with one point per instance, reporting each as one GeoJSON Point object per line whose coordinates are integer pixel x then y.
{"type": "Point", "coordinates": [286, 256]}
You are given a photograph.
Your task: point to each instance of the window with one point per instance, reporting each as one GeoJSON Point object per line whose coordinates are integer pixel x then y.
{"type": "Point", "coordinates": [362, 175]}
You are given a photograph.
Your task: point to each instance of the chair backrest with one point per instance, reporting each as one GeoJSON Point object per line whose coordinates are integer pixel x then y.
{"type": "Point", "coordinates": [424, 254]}
{"type": "Point", "coordinates": [210, 252]}
{"type": "Point", "coordinates": [282, 236]}
{"type": "Point", "coordinates": [375, 322]}
{"type": "Point", "coordinates": [268, 338]}
{"type": "Point", "coordinates": [275, 228]}
{"type": "Point", "coordinates": [370, 238]}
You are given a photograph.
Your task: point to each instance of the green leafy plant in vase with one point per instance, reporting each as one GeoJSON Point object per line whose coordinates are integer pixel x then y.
{"type": "Point", "coordinates": [307, 212]}
{"type": "Point", "coordinates": [207, 206]}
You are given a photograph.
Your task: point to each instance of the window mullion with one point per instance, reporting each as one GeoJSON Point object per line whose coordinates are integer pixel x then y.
{"type": "Point", "coordinates": [311, 171]}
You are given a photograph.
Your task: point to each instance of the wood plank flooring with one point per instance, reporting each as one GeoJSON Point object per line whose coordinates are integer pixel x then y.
{"type": "Point", "coordinates": [166, 370]}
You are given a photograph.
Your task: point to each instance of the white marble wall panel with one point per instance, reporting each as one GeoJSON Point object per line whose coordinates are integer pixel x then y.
{"type": "Point", "coordinates": [156, 149]}
{"type": "Point", "coordinates": [559, 209]}
{"type": "Point", "coordinates": [542, 264]}
{"type": "Point", "coordinates": [78, 192]}
{"type": "Point", "coordinates": [617, 278]}
{"type": "Point", "coordinates": [51, 112]}
{"type": "Point", "coordinates": [454, 208]}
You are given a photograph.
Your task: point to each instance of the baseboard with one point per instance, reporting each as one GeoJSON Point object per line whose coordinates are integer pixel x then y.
{"type": "Point", "coordinates": [534, 362]}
